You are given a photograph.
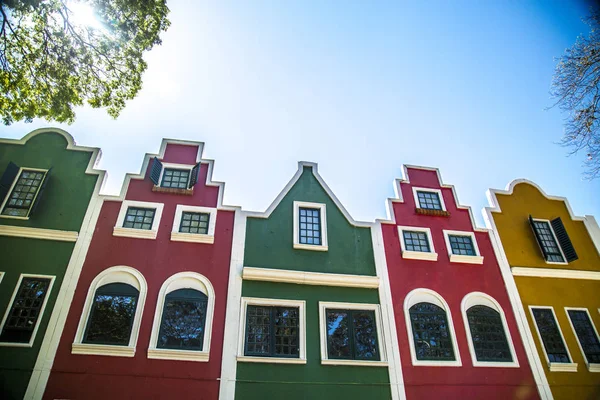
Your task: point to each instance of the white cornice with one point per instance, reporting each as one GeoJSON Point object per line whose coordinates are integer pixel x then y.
{"type": "Point", "coordinates": [309, 278]}
{"type": "Point", "coordinates": [556, 273]}
{"type": "Point", "coordinates": [38, 233]}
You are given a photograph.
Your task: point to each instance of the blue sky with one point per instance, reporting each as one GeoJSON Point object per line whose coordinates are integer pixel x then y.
{"type": "Point", "coordinates": [361, 88]}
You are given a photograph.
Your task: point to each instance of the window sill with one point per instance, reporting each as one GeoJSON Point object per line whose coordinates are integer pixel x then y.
{"type": "Point", "coordinates": [11, 344]}
{"type": "Point", "coordinates": [312, 247]}
{"type": "Point", "coordinates": [102, 350]}
{"type": "Point", "coordinates": [187, 192]}
{"type": "Point", "coordinates": [419, 255]}
{"type": "Point", "coordinates": [192, 237]}
{"type": "Point", "coordinates": [14, 217]}
{"type": "Point", "coordinates": [271, 360]}
{"type": "Point", "coordinates": [428, 363]}
{"type": "Point", "coordinates": [437, 213]}
{"type": "Point", "coordinates": [456, 258]}
{"type": "Point", "coordinates": [179, 355]}
{"type": "Point", "coordinates": [135, 233]}
{"type": "Point", "coordinates": [593, 367]}
{"type": "Point", "coordinates": [556, 262]}
{"type": "Point", "coordinates": [496, 364]}
{"type": "Point", "coordinates": [562, 367]}
{"type": "Point", "coordinates": [358, 363]}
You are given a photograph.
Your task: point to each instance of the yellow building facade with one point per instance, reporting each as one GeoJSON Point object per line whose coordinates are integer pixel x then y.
{"type": "Point", "coordinates": [553, 257]}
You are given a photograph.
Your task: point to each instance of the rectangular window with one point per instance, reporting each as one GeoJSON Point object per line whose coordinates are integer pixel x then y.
{"type": "Point", "coordinates": [23, 193]}
{"type": "Point", "coordinates": [586, 335]}
{"type": "Point", "coordinates": [462, 245]}
{"type": "Point", "coordinates": [26, 309]}
{"type": "Point", "coordinates": [352, 335]}
{"type": "Point", "coordinates": [175, 178]}
{"type": "Point", "coordinates": [416, 241]}
{"type": "Point", "coordinates": [192, 222]}
{"type": "Point", "coordinates": [139, 218]}
{"type": "Point", "coordinates": [429, 200]}
{"type": "Point", "coordinates": [550, 335]}
{"type": "Point", "coordinates": [547, 241]}
{"type": "Point", "coordinates": [310, 226]}
{"type": "Point", "coordinates": [272, 331]}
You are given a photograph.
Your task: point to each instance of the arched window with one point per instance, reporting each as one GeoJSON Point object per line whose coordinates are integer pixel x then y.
{"type": "Point", "coordinates": [183, 318]}
{"type": "Point", "coordinates": [489, 338]}
{"type": "Point", "coordinates": [430, 329]}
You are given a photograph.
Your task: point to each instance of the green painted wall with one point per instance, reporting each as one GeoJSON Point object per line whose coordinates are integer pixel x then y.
{"type": "Point", "coordinates": [269, 242]}
{"type": "Point", "coordinates": [63, 206]}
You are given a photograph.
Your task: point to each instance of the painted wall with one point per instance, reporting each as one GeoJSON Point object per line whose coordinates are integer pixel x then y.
{"type": "Point", "coordinates": [452, 281]}
{"type": "Point", "coordinates": [522, 250]}
{"type": "Point", "coordinates": [101, 377]}
{"type": "Point", "coordinates": [62, 207]}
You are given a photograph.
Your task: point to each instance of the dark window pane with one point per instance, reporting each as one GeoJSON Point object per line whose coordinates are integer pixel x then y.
{"type": "Point", "coordinates": [23, 193]}
{"type": "Point", "coordinates": [192, 222]}
{"type": "Point", "coordinates": [416, 241]}
{"type": "Point", "coordinates": [551, 338]}
{"type": "Point", "coordinates": [272, 331]}
{"type": "Point", "coordinates": [586, 335]}
{"type": "Point", "coordinates": [548, 242]}
{"type": "Point", "coordinates": [310, 226]}
{"type": "Point", "coordinates": [338, 335]}
{"type": "Point", "coordinates": [487, 332]}
{"type": "Point", "coordinates": [183, 320]}
{"type": "Point", "coordinates": [352, 335]}
{"type": "Point", "coordinates": [365, 335]}
{"type": "Point", "coordinates": [175, 178]}
{"type": "Point", "coordinates": [462, 245]}
{"type": "Point", "coordinates": [25, 310]}
{"type": "Point", "coordinates": [139, 218]}
{"type": "Point", "coordinates": [429, 200]}
{"type": "Point", "coordinates": [112, 315]}
{"type": "Point", "coordinates": [431, 333]}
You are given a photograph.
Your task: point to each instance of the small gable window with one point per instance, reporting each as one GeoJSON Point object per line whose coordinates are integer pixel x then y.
{"type": "Point", "coordinates": [462, 247]}
{"type": "Point", "coordinates": [310, 226]}
{"type": "Point", "coordinates": [416, 243]}
{"type": "Point", "coordinates": [429, 200]}
{"type": "Point", "coordinates": [21, 190]}
{"type": "Point", "coordinates": [139, 218]}
{"type": "Point", "coordinates": [553, 240]}
{"type": "Point", "coordinates": [177, 178]}
{"type": "Point", "coordinates": [194, 222]}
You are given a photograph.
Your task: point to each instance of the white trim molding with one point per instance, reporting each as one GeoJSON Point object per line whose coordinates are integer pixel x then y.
{"type": "Point", "coordinates": [38, 233]}
{"type": "Point", "coordinates": [117, 274]}
{"type": "Point", "coordinates": [459, 258]}
{"type": "Point", "coordinates": [1, 276]}
{"type": "Point", "coordinates": [422, 295]}
{"type": "Point", "coordinates": [323, 213]}
{"type": "Point", "coordinates": [12, 186]}
{"type": "Point", "coordinates": [255, 301]}
{"type": "Point", "coordinates": [119, 230]}
{"type": "Point", "coordinates": [483, 299]}
{"type": "Point", "coordinates": [429, 190]}
{"type": "Point", "coordinates": [592, 367]}
{"type": "Point", "coordinates": [309, 278]}
{"type": "Point", "coordinates": [553, 366]}
{"type": "Point", "coordinates": [325, 360]}
{"type": "Point", "coordinates": [52, 278]}
{"type": "Point", "coordinates": [417, 255]}
{"type": "Point", "coordinates": [183, 280]}
{"type": "Point", "coordinates": [208, 238]}
{"type": "Point", "coordinates": [556, 273]}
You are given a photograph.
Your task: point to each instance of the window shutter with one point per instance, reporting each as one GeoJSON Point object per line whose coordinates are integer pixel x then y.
{"type": "Point", "coordinates": [9, 176]}
{"type": "Point", "coordinates": [36, 202]}
{"type": "Point", "coordinates": [537, 237]}
{"type": "Point", "coordinates": [155, 171]}
{"type": "Point", "coordinates": [564, 240]}
{"type": "Point", "coordinates": [194, 175]}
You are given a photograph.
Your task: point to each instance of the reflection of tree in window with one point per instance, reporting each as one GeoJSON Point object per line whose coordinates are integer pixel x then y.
{"type": "Point", "coordinates": [183, 320]}
{"type": "Point", "coordinates": [112, 314]}
{"type": "Point", "coordinates": [352, 334]}
{"type": "Point", "coordinates": [272, 331]}
{"type": "Point", "coordinates": [430, 332]}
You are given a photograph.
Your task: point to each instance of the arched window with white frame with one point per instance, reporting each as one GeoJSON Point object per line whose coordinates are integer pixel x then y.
{"type": "Point", "coordinates": [183, 319]}
{"type": "Point", "coordinates": [430, 329]}
{"type": "Point", "coordinates": [112, 313]}
{"type": "Point", "coordinates": [489, 338]}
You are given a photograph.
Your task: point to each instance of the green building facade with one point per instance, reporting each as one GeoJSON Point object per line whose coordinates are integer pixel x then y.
{"type": "Point", "coordinates": [47, 187]}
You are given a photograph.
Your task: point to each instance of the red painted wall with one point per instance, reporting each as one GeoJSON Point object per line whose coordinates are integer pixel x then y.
{"type": "Point", "coordinates": [452, 281]}
{"type": "Point", "coordinates": [104, 377]}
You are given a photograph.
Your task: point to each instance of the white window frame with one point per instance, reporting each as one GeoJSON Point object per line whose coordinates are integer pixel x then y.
{"type": "Point", "coordinates": [325, 360]}
{"type": "Point", "coordinates": [117, 274]}
{"type": "Point", "coordinates": [1, 277]}
{"type": "Point", "coordinates": [555, 240]}
{"type": "Point", "coordinates": [422, 295]}
{"type": "Point", "coordinates": [12, 186]}
{"type": "Point", "coordinates": [483, 299]}
{"type": "Point", "coordinates": [119, 230]}
{"type": "Point", "coordinates": [421, 189]}
{"type": "Point", "coordinates": [174, 166]}
{"type": "Point", "coordinates": [459, 258]}
{"type": "Point", "coordinates": [183, 280]}
{"type": "Point", "coordinates": [417, 255]}
{"type": "Point", "coordinates": [323, 211]}
{"type": "Point", "coordinates": [553, 366]}
{"type": "Point", "coordinates": [592, 367]}
{"type": "Point", "coordinates": [255, 301]}
{"type": "Point", "coordinates": [42, 309]}
{"type": "Point", "coordinates": [209, 238]}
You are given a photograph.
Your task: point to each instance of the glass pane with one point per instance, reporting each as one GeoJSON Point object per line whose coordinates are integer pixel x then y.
{"type": "Point", "coordinates": [549, 244]}
{"type": "Point", "coordinates": [551, 337]}
{"type": "Point", "coordinates": [462, 245]}
{"type": "Point", "coordinates": [310, 226]}
{"type": "Point", "coordinates": [139, 218]}
{"type": "Point", "coordinates": [287, 328]}
{"type": "Point", "coordinates": [586, 334]}
{"type": "Point", "coordinates": [258, 331]}
{"type": "Point", "coordinates": [431, 333]}
{"type": "Point", "coordinates": [429, 200]}
{"type": "Point", "coordinates": [338, 335]}
{"type": "Point", "coordinates": [192, 222]}
{"type": "Point", "coordinates": [365, 335]}
{"type": "Point", "coordinates": [487, 332]}
{"type": "Point", "coordinates": [183, 320]}
{"type": "Point", "coordinates": [416, 241]}
{"type": "Point", "coordinates": [21, 197]}
{"type": "Point", "coordinates": [175, 178]}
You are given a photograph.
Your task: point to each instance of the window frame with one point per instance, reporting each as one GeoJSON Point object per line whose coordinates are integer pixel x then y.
{"type": "Point", "coordinates": [592, 367]}
{"type": "Point", "coordinates": [417, 255]}
{"type": "Point", "coordinates": [119, 230]}
{"type": "Point", "coordinates": [40, 315]}
{"type": "Point", "coordinates": [423, 295]}
{"type": "Point", "coordinates": [12, 186]}
{"type": "Point", "coordinates": [254, 301]}
{"type": "Point", "coordinates": [166, 166]}
{"type": "Point", "coordinates": [553, 366]}
{"type": "Point", "coordinates": [459, 258]}
{"type": "Point", "coordinates": [117, 274]}
{"type": "Point", "coordinates": [429, 190]}
{"type": "Point", "coordinates": [183, 280]}
{"type": "Point", "coordinates": [323, 214]}
{"type": "Point", "coordinates": [562, 253]}
{"type": "Point", "coordinates": [483, 299]}
{"type": "Point", "coordinates": [1, 276]}
{"type": "Point", "coordinates": [376, 308]}
{"type": "Point", "coordinates": [209, 238]}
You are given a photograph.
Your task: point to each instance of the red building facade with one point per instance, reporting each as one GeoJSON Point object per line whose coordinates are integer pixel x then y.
{"type": "Point", "coordinates": [148, 312]}
{"type": "Point", "coordinates": [457, 333]}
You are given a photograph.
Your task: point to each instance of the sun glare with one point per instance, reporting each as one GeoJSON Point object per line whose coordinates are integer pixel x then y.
{"type": "Point", "coordinates": [83, 14]}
